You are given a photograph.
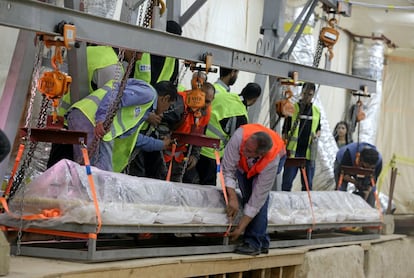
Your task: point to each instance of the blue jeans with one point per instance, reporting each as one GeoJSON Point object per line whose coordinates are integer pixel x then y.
{"type": "Point", "coordinates": [256, 232]}
{"type": "Point", "coordinates": [103, 158]}
{"type": "Point", "coordinates": [289, 174]}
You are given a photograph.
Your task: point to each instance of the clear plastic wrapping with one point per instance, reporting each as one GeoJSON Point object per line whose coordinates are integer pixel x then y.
{"type": "Point", "coordinates": [128, 200]}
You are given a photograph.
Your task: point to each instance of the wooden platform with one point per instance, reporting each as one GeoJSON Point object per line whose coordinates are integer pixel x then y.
{"type": "Point", "coordinates": [279, 263]}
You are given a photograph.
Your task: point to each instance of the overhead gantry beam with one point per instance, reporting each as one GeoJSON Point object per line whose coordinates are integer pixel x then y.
{"type": "Point", "coordinates": [40, 17]}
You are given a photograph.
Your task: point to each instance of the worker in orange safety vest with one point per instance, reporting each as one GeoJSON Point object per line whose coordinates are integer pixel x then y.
{"type": "Point", "coordinates": [194, 121]}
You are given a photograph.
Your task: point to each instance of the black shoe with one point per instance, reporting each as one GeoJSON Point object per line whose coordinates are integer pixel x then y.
{"type": "Point", "coordinates": [264, 251]}
{"type": "Point", "coordinates": [246, 249]}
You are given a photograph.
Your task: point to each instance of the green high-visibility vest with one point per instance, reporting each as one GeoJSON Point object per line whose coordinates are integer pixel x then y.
{"type": "Point", "coordinates": [125, 119]}
{"type": "Point", "coordinates": [293, 140]}
{"type": "Point", "coordinates": [143, 69]}
{"type": "Point", "coordinates": [224, 105]}
{"type": "Point", "coordinates": [98, 57]}
{"type": "Point", "coordinates": [89, 104]}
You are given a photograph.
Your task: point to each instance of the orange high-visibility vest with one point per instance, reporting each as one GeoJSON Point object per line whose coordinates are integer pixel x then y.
{"type": "Point", "coordinates": [278, 146]}
{"type": "Point", "coordinates": [188, 126]}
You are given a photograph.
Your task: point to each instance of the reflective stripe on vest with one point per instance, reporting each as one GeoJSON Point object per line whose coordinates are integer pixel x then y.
{"type": "Point", "coordinates": [125, 119]}
{"type": "Point", "coordinates": [89, 104]}
{"type": "Point", "coordinates": [225, 105]}
{"type": "Point", "coordinates": [293, 142]}
{"type": "Point", "coordinates": [167, 69]}
{"type": "Point", "coordinates": [99, 57]}
{"type": "Point", "coordinates": [143, 68]}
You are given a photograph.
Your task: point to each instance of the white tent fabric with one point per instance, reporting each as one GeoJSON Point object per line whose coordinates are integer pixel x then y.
{"type": "Point", "coordinates": [395, 131]}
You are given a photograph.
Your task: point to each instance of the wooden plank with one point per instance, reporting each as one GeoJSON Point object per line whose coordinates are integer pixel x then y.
{"type": "Point", "coordinates": [235, 275]}
{"type": "Point", "coordinates": [289, 272]}
{"type": "Point", "coordinates": [259, 273]}
{"type": "Point", "coordinates": [276, 272]}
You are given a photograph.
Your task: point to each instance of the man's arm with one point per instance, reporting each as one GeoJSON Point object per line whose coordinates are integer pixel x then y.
{"type": "Point", "coordinates": [231, 159]}
{"type": "Point", "coordinates": [229, 165]}
{"type": "Point", "coordinates": [263, 184]}
{"type": "Point", "coordinates": [150, 144]}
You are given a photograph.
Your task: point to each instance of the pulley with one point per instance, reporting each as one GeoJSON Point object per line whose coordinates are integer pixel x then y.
{"type": "Point", "coordinates": [54, 84]}
{"type": "Point", "coordinates": [329, 36]}
{"type": "Point", "coordinates": [196, 97]}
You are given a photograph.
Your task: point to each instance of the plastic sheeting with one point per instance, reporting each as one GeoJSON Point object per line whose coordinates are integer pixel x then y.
{"type": "Point", "coordinates": [327, 148]}
{"type": "Point", "coordinates": [127, 200]}
{"type": "Point", "coordinates": [368, 62]}
{"type": "Point", "coordinates": [394, 138]}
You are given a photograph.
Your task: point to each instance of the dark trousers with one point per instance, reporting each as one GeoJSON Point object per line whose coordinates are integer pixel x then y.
{"type": "Point", "coordinates": [289, 174]}
{"type": "Point", "coordinates": [256, 232]}
{"type": "Point", "coordinates": [147, 164]}
{"type": "Point", "coordinates": [207, 170]}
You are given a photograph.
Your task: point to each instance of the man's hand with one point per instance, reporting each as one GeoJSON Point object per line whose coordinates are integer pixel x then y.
{"type": "Point", "coordinates": [99, 130]}
{"type": "Point", "coordinates": [154, 119]}
{"type": "Point", "coordinates": [244, 221]}
{"type": "Point", "coordinates": [235, 234]}
{"type": "Point", "coordinates": [232, 208]}
{"type": "Point", "coordinates": [167, 143]}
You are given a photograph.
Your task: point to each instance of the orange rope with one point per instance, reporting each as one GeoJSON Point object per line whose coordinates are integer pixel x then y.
{"type": "Point", "coordinates": [15, 166]}
{"type": "Point", "coordinates": [223, 186]}
{"type": "Point", "coordinates": [220, 172]}
{"type": "Point", "coordinates": [341, 178]}
{"type": "Point", "coordinates": [92, 185]}
{"type": "Point", "coordinates": [305, 178]}
{"type": "Point", "coordinates": [174, 146]}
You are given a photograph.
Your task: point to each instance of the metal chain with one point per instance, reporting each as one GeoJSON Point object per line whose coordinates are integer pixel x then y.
{"type": "Point", "coordinates": [182, 72]}
{"type": "Point", "coordinates": [115, 105]}
{"type": "Point", "coordinates": [318, 53]}
{"type": "Point", "coordinates": [141, 10]}
{"type": "Point", "coordinates": [120, 67]}
{"type": "Point", "coordinates": [35, 76]}
{"type": "Point", "coordinates": [26, 161]}
{"type": "Point", "coordinates": [93, 148]}
{"type": "Point", "coordinates": [148, 15]}
{"type": "Point", "coordinates": [19, 177]}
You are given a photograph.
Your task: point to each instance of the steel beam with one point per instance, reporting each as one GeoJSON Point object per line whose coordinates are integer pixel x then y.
{"type": "Point", "coordinates": [40, 17]}
{"type": "Point", "coordinates": [14, 97]}
{"type": "Point", "coordinates": [272, 66]}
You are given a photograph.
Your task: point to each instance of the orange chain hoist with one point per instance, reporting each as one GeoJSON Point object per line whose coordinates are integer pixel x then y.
{"type": "Point", "coordinates": [329, 36]}
{"type": "Point", "coordinates": [54, 84]}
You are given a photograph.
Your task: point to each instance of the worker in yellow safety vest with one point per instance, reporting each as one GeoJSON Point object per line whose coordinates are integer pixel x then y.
{"type": "Point", "coordinates": [136, 103]}
{"type": "Point", "coordinates": [301, 133]}
{"type": "Point", "coordinates": [103, 66]}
